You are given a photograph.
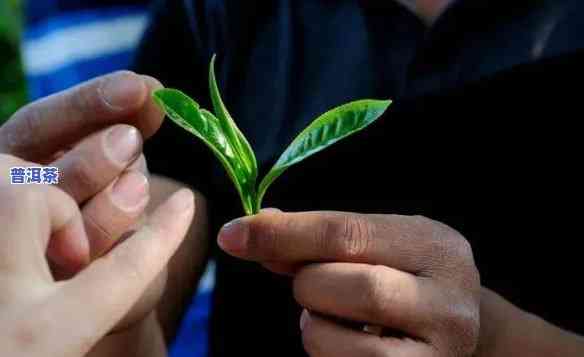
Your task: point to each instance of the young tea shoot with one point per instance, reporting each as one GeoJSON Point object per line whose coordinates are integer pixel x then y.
{"type": "Point", "coordinates": [220, 133]}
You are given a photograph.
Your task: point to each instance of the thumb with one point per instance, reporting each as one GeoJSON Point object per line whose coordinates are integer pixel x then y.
{"type": "Point", "coordinates": [56, 122]}
{"type": "Point", "coordinates": [89, 305]}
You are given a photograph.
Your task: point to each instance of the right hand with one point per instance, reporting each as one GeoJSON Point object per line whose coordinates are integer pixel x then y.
{"type": "Point", "coordinates": [93, 133]}
{"type": "Point", "coordinates": [42, 317]}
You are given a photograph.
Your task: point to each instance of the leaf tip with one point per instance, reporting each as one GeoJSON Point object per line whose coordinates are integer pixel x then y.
{"type": "Point", "coordinates": [384, 104]}
{"type": "Point", "coordinates": [212, 67]}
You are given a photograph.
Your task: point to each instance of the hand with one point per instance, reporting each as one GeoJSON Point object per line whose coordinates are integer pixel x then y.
{"type": "Point", "coordinates": [42, 317]}
{"type": "Point", "coordinates": [99, 159]}
{"type": "Point", "coordinates": [412, 276]}
{"type": "Point", "coordinates": [93, 133]}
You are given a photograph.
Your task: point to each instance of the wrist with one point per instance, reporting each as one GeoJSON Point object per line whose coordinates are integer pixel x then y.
{"type": "Point", "coordinates": [507, 330]}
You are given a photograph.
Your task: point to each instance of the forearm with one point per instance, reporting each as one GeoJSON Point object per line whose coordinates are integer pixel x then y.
{"type": "Point", "coordinates": [509, 331]}
{"type": "Point", "coordinates": [144, 339]}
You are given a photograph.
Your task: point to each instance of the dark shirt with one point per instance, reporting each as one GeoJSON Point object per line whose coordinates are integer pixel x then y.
{"type": "Point", "coordinates": [483, 135]}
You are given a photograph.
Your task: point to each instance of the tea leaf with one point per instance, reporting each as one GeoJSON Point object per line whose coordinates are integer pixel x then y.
{"type": "Point", "coordinates": [326, 130]}
{"type": "Point", "coordinates": [187, 113]}
{"type": "Point", "coordinates": [220, 133]}
{"type": "Point", "coordinates": [230, 129]}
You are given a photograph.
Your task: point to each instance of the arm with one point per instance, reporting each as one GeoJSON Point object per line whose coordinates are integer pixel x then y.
{"type": "Point", "coordinates": [509, 331]}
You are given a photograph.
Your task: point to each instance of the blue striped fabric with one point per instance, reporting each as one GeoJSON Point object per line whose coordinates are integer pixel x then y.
{"type": "Point", "coordinates": [69, 47]}
{"type": "Point", "coordinates": [66, 42]}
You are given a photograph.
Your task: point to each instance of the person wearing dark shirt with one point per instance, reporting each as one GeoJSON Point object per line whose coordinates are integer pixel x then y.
{"type": "Point", "coordinates": [482, 138]}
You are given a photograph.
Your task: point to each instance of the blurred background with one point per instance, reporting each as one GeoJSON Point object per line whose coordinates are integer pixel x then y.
{"type": "Point", "coordinates": [12, 83]}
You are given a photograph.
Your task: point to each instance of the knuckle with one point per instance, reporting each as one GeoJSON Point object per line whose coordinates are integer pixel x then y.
{"type": "Point", "coordinates": [350, 238]}
{"type": "Point", "coordinates": [462, 325]}
{"type": "Point", "coordinates": [461, 249]}
{"type": "Point", "coordinates": [83, 100]}
{"type": "Point", "coordinates": [457, 250]}
{"type": "Point", "coordinates": [377, 295]}
{"type": "Point", "coordinates": [459, 258]}
{"type": "Point", "coordinates": [11, 139]}
{"type": "Point", "coordinates": [264, 236]}
{"type": "Point", "coordinates": [447, 245]}
{"type": "Point", "coordinates": [32, 116]}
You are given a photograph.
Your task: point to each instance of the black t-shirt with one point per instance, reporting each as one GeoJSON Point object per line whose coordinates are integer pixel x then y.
{"type": "Point", "coordinates": [483, 135]}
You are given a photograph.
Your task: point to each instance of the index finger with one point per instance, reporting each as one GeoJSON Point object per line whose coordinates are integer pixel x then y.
{"type": "Point", "coordinates": [408, 243]}
{"type": "Point", "coordinates": [98, 297]}
{"type": "Point", "coordinates": [60, 120]}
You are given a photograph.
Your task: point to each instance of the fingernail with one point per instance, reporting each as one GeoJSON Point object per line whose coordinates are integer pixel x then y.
{"type": "Point", "coordinates": [130, 192]}
{"type": "Point", "coordinates": [122, 144]}
{"type": "Point", "coordinates": [234, 236]}
{"type": "Point", "coordinates": [151, 82]}
{"type": "Point", "coordinates": [304, 318]}
{"type": "Point", "coordinates": [183, 200]}
{"type": "Point", "coordinates": [123, 90]}
{"type": "Point", "coordinates": [270, 210]}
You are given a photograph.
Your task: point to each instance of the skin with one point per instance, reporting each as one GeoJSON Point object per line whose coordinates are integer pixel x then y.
{"type": "Point", "coordinates": [36, 310]}
{"type": "Point", "coordinates": [409, 280]}
{"type": "Point", "coordinates": [94, 134]}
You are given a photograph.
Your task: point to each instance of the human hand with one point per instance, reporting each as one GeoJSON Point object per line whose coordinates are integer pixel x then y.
{"type": "Point", "coordinates": [412, 276]}
{"type": "Point", "coordinates": [93, 133]}
{"type": "Point", "coordinates": [40, 316]}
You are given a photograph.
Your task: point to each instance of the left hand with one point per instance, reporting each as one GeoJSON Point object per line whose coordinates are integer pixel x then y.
{"type": "Point", "coordinates": [413, 276]}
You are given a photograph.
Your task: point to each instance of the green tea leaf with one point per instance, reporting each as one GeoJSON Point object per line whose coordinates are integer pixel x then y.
{"type": "Point", "coordinates": [326, 130]}
{"type": "Point", "coordinates": [220, 133]}
{"type": "Point", "coordinates": [187, 113]}
{"type": "Point", "coordinates": [230, 129]}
